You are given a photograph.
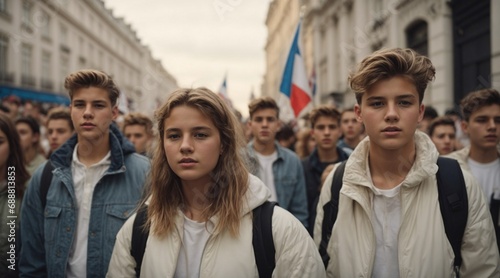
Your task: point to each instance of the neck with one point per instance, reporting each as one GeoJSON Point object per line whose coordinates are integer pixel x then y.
{"type": "Point", "coordinates": [483, 155]}
{"type": "Point", "coordinates": [29, 154]}
{"type": "Point", "coordinates": [328, 155]}
{"type": "Point", "coordinates": [389, 168]}
{"type": "Point", "coordinates": [264, 149]}
{"type": "Point", "coordinates": [195, 194]}
{"type": "Point", "coordinates": [89, 153]}
{"type": "Point", "coordinates": [352, 142]}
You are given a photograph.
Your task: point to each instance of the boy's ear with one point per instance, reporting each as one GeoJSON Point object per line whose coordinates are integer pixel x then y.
{"type": "Point", "coordinates": [465, 126]}
{"type": "Point", "coordinates": [421, 112]}
{"type": "Point", "coordinates": [357, 111]}
{"type": "Point", "coordinates": [115, 112]}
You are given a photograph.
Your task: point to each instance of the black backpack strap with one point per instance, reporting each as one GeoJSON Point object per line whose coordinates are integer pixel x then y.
{"type": "Point", "coordinates": [139, 238]}
{"type": "Point", "coordinates": [454, 205]}
{"type": "Point", "coordinates": [330, 211]}
{"type": "Point", "coordinates": [45, 182]}
{"type": "Point", "coordinates": [262, 241]}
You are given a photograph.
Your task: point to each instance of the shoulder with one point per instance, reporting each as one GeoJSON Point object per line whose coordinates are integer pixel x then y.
{"type": "Point", "coordinates": [137, 160]}
{"type": "Point", "coordinates": [288, 155]}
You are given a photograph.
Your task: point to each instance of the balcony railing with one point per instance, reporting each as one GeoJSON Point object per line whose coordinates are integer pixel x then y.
{"type": "Point", "coordinates": [27, 80]}
{"type": "Point", "coordinates": [46, 84]}
{"type": "Point", "coordinates": [6, 77]}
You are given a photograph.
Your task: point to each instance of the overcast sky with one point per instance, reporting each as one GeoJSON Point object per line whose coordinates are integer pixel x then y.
{"type": "Point", "coordinates": [199, 41]}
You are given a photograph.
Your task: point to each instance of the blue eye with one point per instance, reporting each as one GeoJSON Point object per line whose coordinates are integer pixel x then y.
{"type": "Point", "coordinates": [173, 136]}
{"type": "Point", "coordinates": [200, 135]}
{"type": "Point", "coordinates": [376, 104]}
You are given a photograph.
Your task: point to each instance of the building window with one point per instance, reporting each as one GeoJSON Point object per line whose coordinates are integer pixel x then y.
{"type": "Point", "coordinates": [46, 82]}
{"type": "Point", "coordinates": [4, 43]}
{"type": "Point", "coordinates": [64, 69]}
{"type": "Point", "coordinates": [26, 65]}
{"type": "Point", "coordinates": [3, 6]}
{"type": "Point", "coordinates": [27, 14]}
{"type": "Point", "coordinates": [64, 35]}
{"type": "Point", "coordinates": [417, 37]}
{"type": "Point", "coordinates": [44, 22]}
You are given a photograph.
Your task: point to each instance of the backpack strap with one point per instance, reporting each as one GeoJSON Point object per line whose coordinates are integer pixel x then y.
{"type": "Point", "coordinates": [454, 205]}
{"type": "Point", "coordinates": [139, 238]}
{"type": "Point", "coordinates": [262, 241]}
{"type": "Point", "coordinates": [330, 211]}
{"type": "Point", "coordinates": [45, 182]}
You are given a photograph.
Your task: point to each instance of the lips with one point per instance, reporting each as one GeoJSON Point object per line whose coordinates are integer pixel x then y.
{"type": "Point", "coordinates": [391, 129]}
{"type": "Point", "coordinates": [187, 160]}
{"type": "Point", "coordinates": [86, 124]}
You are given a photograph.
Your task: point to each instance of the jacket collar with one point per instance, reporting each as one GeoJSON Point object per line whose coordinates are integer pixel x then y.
{"type": "Point", "coordinates": [119, 146]}
{"type": "Point", "coordinates": [423, 166]}
{"type": "Point", "coordinates": [277, 146]}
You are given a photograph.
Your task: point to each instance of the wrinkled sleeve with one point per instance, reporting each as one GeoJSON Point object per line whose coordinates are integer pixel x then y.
{"type": "Point", "coordinates": [479, 249]}
{"type": "Point", "coordinates": [122, 264]}
{"type": "Point", "coordinates": [296, 255]}
{"type": "Point", "coordinates": [324, 198]}
{"type": "Point", "coordinates": [32, 256]}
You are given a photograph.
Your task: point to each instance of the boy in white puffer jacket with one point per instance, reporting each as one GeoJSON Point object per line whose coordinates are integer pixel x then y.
{"type": "Point", "coordinates": [389, 222]}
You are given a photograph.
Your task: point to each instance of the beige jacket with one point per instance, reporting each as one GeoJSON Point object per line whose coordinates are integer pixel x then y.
{"type": "Point", "coordinates": [462, 155]}
{"type": "Point", "coordinates": [424, 250]}
{"type": "Point", "coordinates": [225, 256]}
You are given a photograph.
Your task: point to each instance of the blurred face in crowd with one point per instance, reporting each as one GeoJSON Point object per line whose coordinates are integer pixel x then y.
{"type": "Point", "coordinates": [13, 108]}
{"type": "Point", "coordinates": [443, 137]}
{"type": "Point", "coordinates": [58, 132]}
{"type": "Point", "coordinates": [92, 113]}
{"type": "Point", "coordinates": [264, 125]}
{"type": "Point", "coordinates": [483, 127]}
{"type": "Point", "coordinates": [28, 138]}
{"type": "Point", "coordinates": [326, 133]}
{"type": "Point", "coordinates": [390, 111]}
{"type": "Point", "coordinates": [351, 128]}
{"type": "Point", "coordinates": [138, 135]}
{"type": "Point", "coordinates": [192, 144]}
{"type": "Point", "coordinates": [4, 151]}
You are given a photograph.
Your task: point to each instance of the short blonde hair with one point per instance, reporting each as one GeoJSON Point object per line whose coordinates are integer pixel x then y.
{"type": "Point", "coordinates": [388, 63]}
{"type": "Point", "coordinates": [92, 78]}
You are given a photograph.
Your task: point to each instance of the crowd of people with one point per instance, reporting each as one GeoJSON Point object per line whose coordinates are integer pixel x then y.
{"type": "Point", "coordinates": [195, 192]}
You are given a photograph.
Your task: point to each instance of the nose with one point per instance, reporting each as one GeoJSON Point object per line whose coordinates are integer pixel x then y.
{"type": "Point", "coordinates": [186, 145]}
{"type": "Point", "coordinates": [492, 125]}
{"type": "Point", "coordinates": [88, 113]}
{"type": "Point", "coordinates": [391, 114]}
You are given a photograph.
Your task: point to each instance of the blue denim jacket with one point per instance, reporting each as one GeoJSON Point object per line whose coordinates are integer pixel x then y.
{"type": "Point", "coordinates": [48, 234]}
{"type": "Point", "coordinates": [288, 179]}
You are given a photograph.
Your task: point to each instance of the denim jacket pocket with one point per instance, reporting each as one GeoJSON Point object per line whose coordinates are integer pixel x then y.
{"type": "Point", "coordinates": [116, 215]}
{"type": "Point", "coordinates": [52, 219]}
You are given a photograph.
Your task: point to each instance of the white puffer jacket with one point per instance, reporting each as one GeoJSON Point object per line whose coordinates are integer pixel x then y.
{"type": "Point", "coordinates": [424, 249]}
{"type": "Point", "coordinates": [225, 256]}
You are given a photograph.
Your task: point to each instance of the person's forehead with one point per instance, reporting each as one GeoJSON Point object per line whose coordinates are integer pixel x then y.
{"type": "Point", "coordinates": [57, 123]}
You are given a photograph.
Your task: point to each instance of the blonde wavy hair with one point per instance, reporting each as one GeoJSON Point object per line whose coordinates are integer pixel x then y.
{"type": "Point", "coordinates": [229, 177]}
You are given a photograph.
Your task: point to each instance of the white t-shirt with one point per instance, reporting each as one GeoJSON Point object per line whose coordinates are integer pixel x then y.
{"type": "Point", "coordinates": [488, 176]}
{"type": "Point", "coordinates": [386, 225]}
{"type": "Point", "coordinates": [195, 238]}
{"type": "Point", "coordinates": [84, 181]}
{"type": "Point", "coordinates": [266, 172]}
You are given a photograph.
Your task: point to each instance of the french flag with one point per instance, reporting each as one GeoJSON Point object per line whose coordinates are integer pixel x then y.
{"type": "Point", "coordinates": [223, 92]}
{"type": "Point", "coordinates": [295, 84]}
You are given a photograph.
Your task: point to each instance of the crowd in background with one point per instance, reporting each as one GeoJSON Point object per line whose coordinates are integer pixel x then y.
{"type": "Point", "coordinates": [292, 161]}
